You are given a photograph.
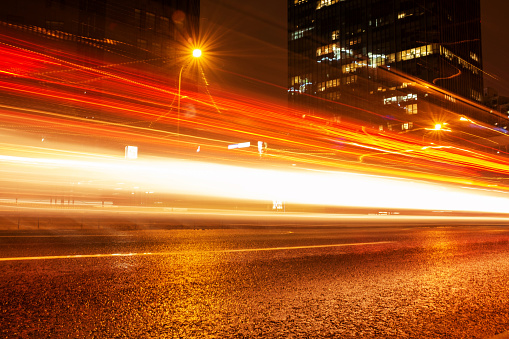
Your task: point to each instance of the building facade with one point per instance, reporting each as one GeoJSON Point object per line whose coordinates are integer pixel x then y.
{"type": "Point", "coordinates": [347, 51]}
{"type": "Point", "coordinates": [149, 31]}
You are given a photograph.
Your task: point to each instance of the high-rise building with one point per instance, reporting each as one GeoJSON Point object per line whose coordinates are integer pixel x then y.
{"type": "Point", "coordinates": [150, 31]}
{"type": "Point", "coordinates": [342, 51]}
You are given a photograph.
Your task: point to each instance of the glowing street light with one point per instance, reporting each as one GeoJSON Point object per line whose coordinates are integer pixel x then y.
{"type": "Point", "coordinates": [196, 54]}
{"type": "Point", "coordinates": [439, 127]}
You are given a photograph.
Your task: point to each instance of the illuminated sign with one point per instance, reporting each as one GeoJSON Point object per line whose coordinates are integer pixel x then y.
{"type": "Point", "coordinates": [131, 152]}
{"type": "Point", "coordinates": [241, 145]}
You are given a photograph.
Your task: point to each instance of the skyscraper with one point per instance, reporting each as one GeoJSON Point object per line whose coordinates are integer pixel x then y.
{"type": "Point", "coordinates": [149, 31]}
{"type": "Point", "coordinates": [339, 49]}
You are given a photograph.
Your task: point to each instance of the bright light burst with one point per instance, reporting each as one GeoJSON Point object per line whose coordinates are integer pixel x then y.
{"type": "Point", "coordinates": [197, 53]}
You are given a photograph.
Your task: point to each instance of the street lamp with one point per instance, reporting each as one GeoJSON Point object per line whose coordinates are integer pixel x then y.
{"type": "Point", "coordinates": [196, 54]}
{"type": "Point", "coordinates": [438, 128]}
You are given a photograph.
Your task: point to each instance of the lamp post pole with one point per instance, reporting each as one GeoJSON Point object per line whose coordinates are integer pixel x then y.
{"type": "Point", "coordinates": [178, 106]}
{"type": "Point", "coordinates": [196, 54]}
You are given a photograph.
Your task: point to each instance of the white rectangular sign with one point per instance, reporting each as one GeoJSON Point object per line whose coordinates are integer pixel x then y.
{"type": "Point", "coordinates": [131, 152]}
{"type": "Point", "coordinates": [241, 145]}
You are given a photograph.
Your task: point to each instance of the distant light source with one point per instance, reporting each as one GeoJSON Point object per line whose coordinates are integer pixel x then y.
{"type": "Point", "coordinates": [241, 145]}
{"type": "Point", "coordinates": [197, 53]}
{"type": "Point", "coordinates": [262, 147]}
{"type": "Point", "coordinates": [438, 127]}
{"type": "Point", "coordinates": [131, 152]}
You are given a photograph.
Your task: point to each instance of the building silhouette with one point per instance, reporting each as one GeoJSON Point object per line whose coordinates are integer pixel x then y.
{"type": "Point", "coordinates": [149, 31]}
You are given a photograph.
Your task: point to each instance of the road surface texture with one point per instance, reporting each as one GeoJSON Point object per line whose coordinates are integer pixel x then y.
{"type": "Point", "coordinates": [353, 280]}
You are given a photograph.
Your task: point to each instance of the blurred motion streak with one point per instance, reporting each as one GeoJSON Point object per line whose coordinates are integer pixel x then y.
{"type": "Point", "coordinates": [65, 122]}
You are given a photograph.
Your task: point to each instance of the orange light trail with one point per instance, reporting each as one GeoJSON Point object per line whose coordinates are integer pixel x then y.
{"type": "Point", "coordinates": [112, 105]}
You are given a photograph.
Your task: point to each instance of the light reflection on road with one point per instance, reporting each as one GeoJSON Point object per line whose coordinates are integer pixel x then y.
{"type": "Point", "coordinates": [191, 253]}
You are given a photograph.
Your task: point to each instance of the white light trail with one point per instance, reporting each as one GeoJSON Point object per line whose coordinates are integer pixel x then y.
{"type": "Point", "coordinates": [170, 176]}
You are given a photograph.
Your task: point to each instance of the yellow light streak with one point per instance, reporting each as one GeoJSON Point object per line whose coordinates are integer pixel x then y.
{"type": "Point", "coordinates": [84, 256]}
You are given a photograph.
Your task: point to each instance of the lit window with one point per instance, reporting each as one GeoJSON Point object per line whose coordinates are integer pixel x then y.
{"type": "Point", "coordinates": [450, 98]}
{"type": "Point", "coordinates": [350, 80]}
{"type": "Point", "coordinates": [355, 41]}
{"type": "Point", "coordinates": [294, 80]}
{"type": "Point", "coordinates": [475, 95]}
{"type": "Point", "coordinates": [324, 3]}
{"type": "Point", "coordinates": [407, 125]}
{"type": "Point", "coordinates": [300, 33]}
{"type": "Point", "coordinates": [411, 109]}
{"type": "Point", "coordinates": [326, 49]}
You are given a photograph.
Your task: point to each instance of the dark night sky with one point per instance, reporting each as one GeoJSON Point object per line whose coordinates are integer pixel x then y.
{"type": "Point", "coordinates": [249, 37]}
{"type": "Point", "coordinates": [495, 40]}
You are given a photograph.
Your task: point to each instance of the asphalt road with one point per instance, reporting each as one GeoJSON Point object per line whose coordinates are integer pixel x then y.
{"type": "Point", "coordinates": [405, 280]}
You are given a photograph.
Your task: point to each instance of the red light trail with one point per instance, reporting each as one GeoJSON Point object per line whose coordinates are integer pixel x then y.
{"type": "Point", "coordinates": [50, 93]}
